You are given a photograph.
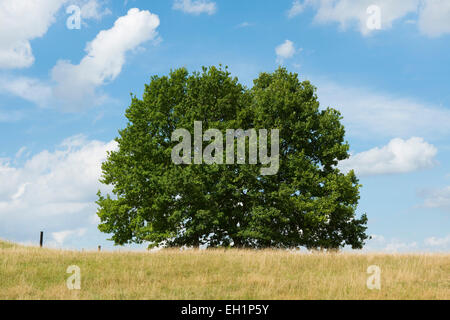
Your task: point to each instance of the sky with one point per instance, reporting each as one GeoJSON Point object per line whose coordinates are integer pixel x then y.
{"type": "Point", "coordinates": [68, 67]}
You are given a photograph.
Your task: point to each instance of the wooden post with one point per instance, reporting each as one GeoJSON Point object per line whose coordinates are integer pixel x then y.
{"type": "Point", "coordinates": [41, 241]}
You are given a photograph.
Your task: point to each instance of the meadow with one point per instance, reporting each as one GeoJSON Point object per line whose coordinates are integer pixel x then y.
{"type": "Point", "coordinates": [35, 273]}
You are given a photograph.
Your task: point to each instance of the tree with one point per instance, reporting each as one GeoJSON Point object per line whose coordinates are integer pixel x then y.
{"type": "Point", "coordinates": [309, 202]}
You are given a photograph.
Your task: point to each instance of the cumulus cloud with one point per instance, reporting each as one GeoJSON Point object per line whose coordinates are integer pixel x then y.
{"type": "Point", "coordinates": [368, 113]}
{"type": "Point", "coordinates": [92, 9]}
{"type": "Point", "coordinates": [104, 59]}
{"type": "Point", "coordinates": [60, 236]}
{"type": "Point", "coordinates": [24, 20]}
{"type": "Point", "coordinates": [399, 156]}
{"type": "Point", "coordinates": [433, 15]}
{"type": "Point", "coordinates": [26, 88]}
{"type": "Point", "coordinates": [73, 87]}
{"type": "Point", "coordinates": [52, 190]}
{"type": "Point", "coordinates": [379, 243]}
{"type": "Point", "coordinates": [284, 51]}
{"type": "Point", "coordinates": [20, 22]}
{"type": "Point", "coordinates": [244, 24]}
{"type": "Point", "coordinates": [396, 246]}
{"type": "Point", "coordinates": [378, 238]}
{"type": "Point", "coordinates": [436, 198]}
{"type": "Point", "coordinates": [348, 13]}
{"type": "Point", "coordinates": [438, 242]}
{"type": "Point", "coordinates": [434, 19]}
{"type": "Point", "coordinates": [195, 7]}
{"type": "Point", "coordinates": [298, 7]}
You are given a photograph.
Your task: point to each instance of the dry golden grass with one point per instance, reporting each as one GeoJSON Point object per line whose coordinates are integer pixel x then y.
{"type": "Point", "coordinates": [33, 273]}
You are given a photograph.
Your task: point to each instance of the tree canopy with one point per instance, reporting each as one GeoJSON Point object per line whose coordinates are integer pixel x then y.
{"type": "Point", "coordinates": [308, 202]}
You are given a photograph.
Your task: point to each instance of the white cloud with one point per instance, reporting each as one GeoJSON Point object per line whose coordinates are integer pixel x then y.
{"type": "Point", "coordinates": [367, 113]}
{"type": "Point", "coordinates": [53, 190]}
{"type": "Point", "coordinates": [348, 13]}
{"type": "Point", "coordinates": [20, 192]}
{"type": "Point", "coordinates": [399, 156]}
{"type": "Point", "coordinates": [396, 246]}
{"type": "Point", "coordinates": [92, 9]}
{"type": "Point", "coordinates": [17, 28]}
{"type": "Point", "coordinates": [438, 242]}
{"type": "Point", "coordinates": [298, 7]}
{"type": "Point", "coordinates": [434, 19]}
{"type": "Point", "coordinates": [76, 84]}
{"type": "Point", "coordinates": [284, 51]}
{"type": "Point", "coordinates": [27, 88]}
{"type": "Point", "coordinates": [73, 87]}
{"type": "Point", "coordinates": [378, 238]}
{"type": "Point", "coordinates": [20, 22]}
{"type": "Point", "coordinates": [195, 7]}
{"type": "Point", "coordinates": [433, 15]}
{"type": "Point", "coordinates": [60, 236]}
{"type": "Point", "coordinates": [379, 243]}
{"type": "Point", "coordinates": [21, 152]}
{"type": "Point", "coordinates": [24, 20]}
{"type": "Point", "coordinates": [244, 24]}
{"type": "Point", "coordinates": [437, 198]}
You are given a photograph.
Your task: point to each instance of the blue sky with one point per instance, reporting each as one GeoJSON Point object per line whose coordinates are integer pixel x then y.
{"type": "Point", "coordinates": [63, 93]}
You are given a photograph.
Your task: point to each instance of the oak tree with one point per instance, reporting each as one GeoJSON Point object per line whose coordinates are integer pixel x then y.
{"type": "Point", "coordinates": [309, 202]}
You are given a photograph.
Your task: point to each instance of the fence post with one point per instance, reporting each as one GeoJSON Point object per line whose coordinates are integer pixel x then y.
{"type": "Point", "coordinates": [41, 240]}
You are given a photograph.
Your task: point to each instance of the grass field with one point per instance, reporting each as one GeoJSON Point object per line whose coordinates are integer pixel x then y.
{"type": "Point", "coordinates": [33, 273]}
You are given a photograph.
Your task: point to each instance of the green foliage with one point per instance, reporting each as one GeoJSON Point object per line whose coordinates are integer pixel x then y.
{"type": "Point", "coordinates": [308, 203]}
